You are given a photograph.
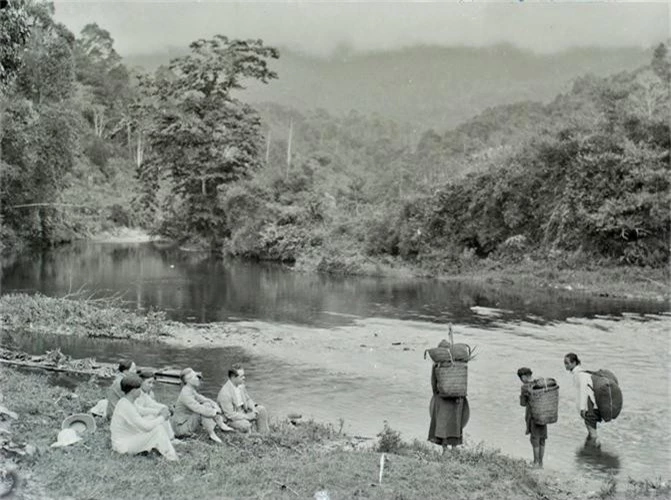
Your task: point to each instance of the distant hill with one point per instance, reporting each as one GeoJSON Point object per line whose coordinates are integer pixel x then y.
{"type": "Point", "coordinates": [426, 86]}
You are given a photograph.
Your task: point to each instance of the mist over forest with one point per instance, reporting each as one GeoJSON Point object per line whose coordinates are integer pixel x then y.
{"type": "Point", "coordinates": [442, 157]}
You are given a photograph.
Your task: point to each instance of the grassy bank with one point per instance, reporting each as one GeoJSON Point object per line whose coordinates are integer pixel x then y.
{"type": "Point", "coordinates": [604, 279]}
{"type": "Point", "coordinates": [294, 462]}
{"type": "Point", "coordinates": [78, 315]}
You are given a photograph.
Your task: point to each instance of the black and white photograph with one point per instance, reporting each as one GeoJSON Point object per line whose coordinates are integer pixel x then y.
{"type": "Point", "coordinates": [335, 250]}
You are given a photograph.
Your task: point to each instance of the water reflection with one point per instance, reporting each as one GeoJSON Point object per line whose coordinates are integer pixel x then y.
{"type": "Point", "coordinates": [597, 459]}
{"type": "Point", "coordinates": [196, 287]}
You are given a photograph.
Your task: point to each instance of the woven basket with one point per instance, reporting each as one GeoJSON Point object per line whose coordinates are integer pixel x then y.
{"type": "Point", "coordinates": [452, 379]}
{"type": "Point", "coordinates": [544, 404]}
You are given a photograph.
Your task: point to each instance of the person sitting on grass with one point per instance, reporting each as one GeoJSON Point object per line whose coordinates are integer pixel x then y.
{"type": "Point", "coordinates": [131, 432]}
{"type": "Point", "coordinates": [537, 433]}
{"type": "Point", "coordinates": [146, 403]}
{"type": "Point", "coordinates": [114, 393]}
{"type": "Point", "coordinates": [193, 410]}
{"type": "Point", "coordinates": [240, 411]}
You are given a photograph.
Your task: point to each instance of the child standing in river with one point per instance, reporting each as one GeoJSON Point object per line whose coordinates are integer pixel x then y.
{"type": "Point", "coordinates": [538, 433]}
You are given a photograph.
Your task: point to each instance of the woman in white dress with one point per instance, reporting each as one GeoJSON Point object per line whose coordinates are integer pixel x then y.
{"type": "Point", "coordinates": [146, 402]}
{"type": "Point", "coordinates": [131, 432]}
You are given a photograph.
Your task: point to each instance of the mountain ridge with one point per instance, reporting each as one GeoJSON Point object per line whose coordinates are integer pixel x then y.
{"type": "Point", "coordinates": [427, 86]}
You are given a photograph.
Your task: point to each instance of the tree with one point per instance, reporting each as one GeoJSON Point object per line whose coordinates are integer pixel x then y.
{"type": "Point", "coordinates": [39, 140]}
{"type": "Point", "coordinates": [14, 33]}
{"type": "Point", "coordinates": [661, 64]}
{"type": "Point", "coordinates": [204, 136]}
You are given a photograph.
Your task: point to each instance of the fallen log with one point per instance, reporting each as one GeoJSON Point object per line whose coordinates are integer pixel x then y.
{"type": "Point", "coordinates": [101, 370]}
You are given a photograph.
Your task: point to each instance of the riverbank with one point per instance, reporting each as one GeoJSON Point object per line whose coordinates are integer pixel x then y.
{"type": "Point", "coordinates": [123, 235]}
{"type": "Point", "coordinates": [627, 282]}
{"type": "Point", "coordinates": [293, 462]}
{"type": "Point", "coordinates": [567, 273]}
{"type": "Point", "coordinates": [326, 458]}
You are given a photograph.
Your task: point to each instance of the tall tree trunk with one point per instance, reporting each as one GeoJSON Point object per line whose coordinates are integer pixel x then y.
{"type": "Point", "coordinates": [139, 149]}
{"type": "Point", "coordinates": [129, 140]}
{"type": "Point", "coordinates": [291, 134]}
{"type": "Point", "coordinates": [270, 134]}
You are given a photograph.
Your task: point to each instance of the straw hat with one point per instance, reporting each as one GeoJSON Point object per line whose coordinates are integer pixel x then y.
{"type": "Point", "coordinates": [66, 437]}
{"type": "Point", "coordinates": [82, 423]}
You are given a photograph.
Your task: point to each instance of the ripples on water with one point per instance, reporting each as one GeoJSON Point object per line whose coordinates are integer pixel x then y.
{"type": "Point", "coordinates": [367, 385]}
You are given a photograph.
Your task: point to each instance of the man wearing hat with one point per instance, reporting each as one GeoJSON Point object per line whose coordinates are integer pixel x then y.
{"type": "Point", "coordinates": [193, 409]}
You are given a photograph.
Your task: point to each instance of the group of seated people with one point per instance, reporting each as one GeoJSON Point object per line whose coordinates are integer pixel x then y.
{"type": "Point", "coordinates": [139, 423]}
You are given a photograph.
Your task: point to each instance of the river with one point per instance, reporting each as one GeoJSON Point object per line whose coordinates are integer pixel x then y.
{"type": "Point", "coordinates": [358, 381]}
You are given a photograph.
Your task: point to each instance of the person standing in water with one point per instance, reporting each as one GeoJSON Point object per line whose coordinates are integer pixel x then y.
{"type": "Point", "coordinates": [537, 433]}
{"type": "Point", "coordinates": [586, 403]}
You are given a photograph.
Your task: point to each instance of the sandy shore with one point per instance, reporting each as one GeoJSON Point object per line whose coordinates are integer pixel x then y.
{"type": "Point", "coordinates": [123, 235]}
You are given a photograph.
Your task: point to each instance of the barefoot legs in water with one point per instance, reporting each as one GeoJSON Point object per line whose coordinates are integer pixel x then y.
{"type": "Point", "coordinates": [592, 438]}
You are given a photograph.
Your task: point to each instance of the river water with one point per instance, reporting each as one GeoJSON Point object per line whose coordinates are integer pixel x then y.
{"type": "Point", "coordinates": [364, 383]}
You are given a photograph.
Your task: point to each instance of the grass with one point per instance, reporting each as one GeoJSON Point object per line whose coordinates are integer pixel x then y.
{"type": "Point", "coordinates": [77, 316]}
{"type": "Point", "coordinates": [293, 462]}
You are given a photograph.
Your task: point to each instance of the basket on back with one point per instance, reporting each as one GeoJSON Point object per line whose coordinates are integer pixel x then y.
{"type": "Point", "coordinates": [451, 369]}
{"type": "Point", "coordinates": [607, 394]}
{"type": "Point", "coordinates": [452, 379]}
{"type": "Point", "coordinates": [544, 401]}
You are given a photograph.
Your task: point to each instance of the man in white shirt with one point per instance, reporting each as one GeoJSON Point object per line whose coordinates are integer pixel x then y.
{"type": "Point", "coordinates": [586, 403]}
{"type": "Point", "coordinates": [239, 410]}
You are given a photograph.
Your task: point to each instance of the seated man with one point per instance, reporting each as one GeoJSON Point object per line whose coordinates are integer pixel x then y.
{"type": "Point", "coordinates": [132, 433]}
{"type": "Point", "coordinates": [239, 409]}
{"type": "Point", "coordinates": [114, 393]}
{"type": "Point", "coordinates": [193, 410]}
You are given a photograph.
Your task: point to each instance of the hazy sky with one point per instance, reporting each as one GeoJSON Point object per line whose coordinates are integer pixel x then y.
{"type": "Point", "coordinates": [141, 26]}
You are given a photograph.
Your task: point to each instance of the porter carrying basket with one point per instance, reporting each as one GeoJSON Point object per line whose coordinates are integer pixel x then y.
{"type": "Point", "coordinates": [544, 402]}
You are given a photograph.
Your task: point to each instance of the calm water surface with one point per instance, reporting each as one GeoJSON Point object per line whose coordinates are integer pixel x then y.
{"type": "Point", "coordinates": [511, 328]}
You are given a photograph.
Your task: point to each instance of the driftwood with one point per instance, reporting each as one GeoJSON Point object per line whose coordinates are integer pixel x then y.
{"type": "Point", "coordinates": [101, 370]}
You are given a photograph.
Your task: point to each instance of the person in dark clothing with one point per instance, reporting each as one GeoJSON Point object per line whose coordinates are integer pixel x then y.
{"type": "Point", "coordinates": [449, 416]}
{"type": "Point", "coordinates": [537, 433]}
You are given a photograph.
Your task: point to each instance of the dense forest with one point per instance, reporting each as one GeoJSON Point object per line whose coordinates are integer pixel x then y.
{"type": "Point", "coordinates": [89, 143]}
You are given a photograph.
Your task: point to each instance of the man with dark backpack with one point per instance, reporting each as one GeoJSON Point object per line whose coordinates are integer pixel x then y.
{"type": "Point", "coordinates": [587, 406]}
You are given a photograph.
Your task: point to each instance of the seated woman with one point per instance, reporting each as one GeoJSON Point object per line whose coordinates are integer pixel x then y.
{"type": "Point", "coordinates": [114, 393]}
{"type": "Point", "coordinates": [193, 410]}
{"type": "Point", "coordinates": [146, 403]}
{"type": "Point", "coordinates": [131, 432]}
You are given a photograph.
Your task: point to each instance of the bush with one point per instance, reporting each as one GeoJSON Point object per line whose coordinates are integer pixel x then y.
{"type": "Point", "coordinates": [389, 440]}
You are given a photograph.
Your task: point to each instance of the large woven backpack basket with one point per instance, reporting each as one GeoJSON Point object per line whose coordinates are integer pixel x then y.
{"type": "Point", "coordinates": [544, 402]}
{"type": "Point", "coordinates": [452, 379]}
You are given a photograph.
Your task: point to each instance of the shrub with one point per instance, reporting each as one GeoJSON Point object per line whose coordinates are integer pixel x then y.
{"type": "Point", "coordinates": [389, 440]}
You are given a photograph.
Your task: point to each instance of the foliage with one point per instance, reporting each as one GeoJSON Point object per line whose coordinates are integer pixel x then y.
{"type": "Point", "coordinates": [77, 316]}
{"type": "Point", "coordinates": [89, 144]}
{"type": "Point", "coordinates": [204, 137]}
{"type": "Point", "coordinates": [14, 34]}
{"type": "Point", "coordinates": [389, 440]}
